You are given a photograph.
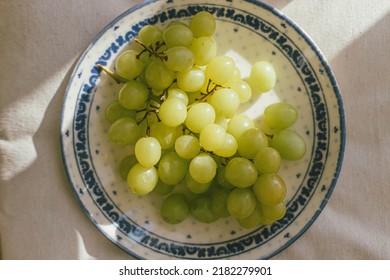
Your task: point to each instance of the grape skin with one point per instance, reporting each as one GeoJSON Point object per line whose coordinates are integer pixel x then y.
{"type": "Point", "coordinates": [250, 142]}
{"type": "Point", "coordinates": [173, 112]}
{"type": "Point", "coordinates": [204, 49]}
{"type": "Point", "coordinates": [202, 210]}
{"type": "Point", "coordinates": [150, 34]}
{"type": "Point", "coordinates": [187, 146]}
{"type": "Point", "coordinates": [241, 172]}
{"type": "Point", "coordinates": [133, 95]}
{"type": "Point", "coordinates": [221, 69]}
{"type": "Point", "coordinates": [289, 144]}
{"type": "Point", "coordinates": [262, 76]}
{"type": "Point", "coordinates": [212, 137]}
{"type": "Point", "coordinates": [241, 203]}
{"type": "Point", "coordinates": [115, 111]}
{"type": "Point", "coordinates": [141, 180]}
{"type": "Point", "coordinates": [270, 189]}
{"type": "Point", "coordinates": [172, 169]}
{"type": "Point", "coordinates": [225, 102]}
{"type": "Point", "coordinates": [200, 115]}
{"type": "Point", "coordinates": [280, 115]}
{"type": "Point", "coordinates": [128, 66]}
{"type": "Point", "coordinates": [148, 151]}
{"type": "Point", "coordinates": [124, 131]}
{"type": "Point", "coordinates": [203, 168]}
{"type": "Point", "coordinates": [177, 35]}
{"type": "Point", "coordinates": [175, 208]}
{"type": "Point", "coordinates": [203, 24]}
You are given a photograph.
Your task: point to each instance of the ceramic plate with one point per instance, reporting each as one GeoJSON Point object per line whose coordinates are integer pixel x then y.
{"type": "Point", "coordinates": [248, 31]}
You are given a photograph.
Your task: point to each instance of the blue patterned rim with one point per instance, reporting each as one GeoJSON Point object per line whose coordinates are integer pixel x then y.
{"type": "Point", "coordinates": [78, 135]}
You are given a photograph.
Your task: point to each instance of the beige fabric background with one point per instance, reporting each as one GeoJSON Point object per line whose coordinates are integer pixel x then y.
{"type": "Point", "coordinates": [40, 41]}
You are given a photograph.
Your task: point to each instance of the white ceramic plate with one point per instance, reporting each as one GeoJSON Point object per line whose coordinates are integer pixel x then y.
{"type": "Point", "coordinates": [248, 31]}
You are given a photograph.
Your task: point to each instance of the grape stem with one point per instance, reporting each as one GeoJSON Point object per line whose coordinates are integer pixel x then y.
{"type": "Point", "coordinates": [152, 51]}
{"type": "Point", "coordinates": [187, 131]}
{"type": "Point", "coordinates": [152, 107]}
{"type": "Point", "coordinates": [209, 92]}
{"type": "Point", "coordinates": [224, 160]}
{"type": "Point", "coordinates": [213, 89]}
{"type": "Point", "coordinates": [164, 95]}
{"type": "Point", "coordinates": [115, 76]}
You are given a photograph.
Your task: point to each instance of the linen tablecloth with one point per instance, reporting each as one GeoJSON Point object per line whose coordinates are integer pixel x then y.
{"type": "Point", "coordinates": [40, 43]}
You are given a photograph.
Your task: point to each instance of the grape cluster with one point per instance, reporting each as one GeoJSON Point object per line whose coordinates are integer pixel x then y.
{"type": "Point", "coordinates": [178, 106]}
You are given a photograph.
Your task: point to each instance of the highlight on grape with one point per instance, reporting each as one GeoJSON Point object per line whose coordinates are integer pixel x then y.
{"type": "Point", "coordinates": [179, 106]}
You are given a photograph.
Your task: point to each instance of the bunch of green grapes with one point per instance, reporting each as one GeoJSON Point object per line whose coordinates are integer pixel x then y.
{"type": "Point", "coordinates": [178, 106]}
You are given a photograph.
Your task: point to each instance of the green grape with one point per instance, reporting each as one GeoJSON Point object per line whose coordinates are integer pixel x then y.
{"type": "Point", "coordinates": [172, 112]}
{"type": "Point", "coordinates": [179, 58]}
{"type": "Point", "coordinates": [280, 115]}
{"type": "Point", "coordinates": [238, 124]}
{"type": "Point", "coordinates": [125, 165]}
{"type": "Point", "coordinates": [157, 92]}
{"type": "Point", "coordinates": [222, 121]}
{"type": "Point", "coordinates": [235, 78]}
{"type": "Point", "coordinates": [267, 130]}
{"type": "Point", "coordinates": [201, 209]}
{"type": "Point", "coordinates": [172, 169]}
{"type": "Point", "coordinates": [267, 160]}
{"type": "Point", "coordinates": [219, 202]}
{"type": "Point", "coordinates": [162, 188]}
{"type": "Point", "coordinates": [115, 111]}
{"type": "Point", "coordinates": [177, 22]}
{"type": "Point", "coordinates": [241, 172]}
{"type": "Point", "coordinates": [158, 76]}
{"type": "Point", "coordinates": [196, 187]}
{"type": "Point", "coordinates": [221, 69]}
{"type": "Point", "coordinates": [177, 35]}
{"type": "Point", "coordinates": [203, 168]}
{"type": "Point", "coordinates": [128, 66]}
{"type": "Point", "coordinates": [179, 94]}
{"type": "Point", "coordinates": [212, 137]}
{"type": "Point", "coordinates": [204, 49]}
{"type": "Point", "coordinates": [147, 151]}
{"type": "Point", "coordinates": [199, 115]}
{"type": "Point", "coordinates": [228, 148]}
{"type": "Point", "coordinates": [203, 24]}
{"type": "Point", "coordinates": [175, 208]}
{"type": "Point", "coordinates": [266, 221]}
{"type": "Point", "coordinates": [289, 144]}
{"type": "Point", "coordinates": [236, 75]}
{"type": "Point", "coordinates": [124, 131]}
{"type": "Point", "coordinates": [187, 146]}
{"type": "Point", "coordinates": [150, 35]}
{"type": "Point", "coordinates": [141, 180]}
{"type": "Point", "coordinates": [221, 179]}
{"type": "Point", "coordinates": [225, 102]}
{"type": "Point", "coordinates": [262, 77]}
{"type": "Point", "coordinates": [241, 203]}
{"type": "Point", "coordinates": [133, 95]}
{"type": "Point", "coordinates": [243, 90]}
{"type": "Point", "coordinates": [191, 80]}
{"type": "Point", "coordinates": [274, 212]}
{"type": "Point", "coordinates": [165, 135]}
{"type": "Point", "coordinates": [250, 142]}
{"type": "Point", "coordinates": [270, 189]}
{"type": "Point", "coordinates": [146, 59]}
{"type": "Point", "coordinates": [255, 219]}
